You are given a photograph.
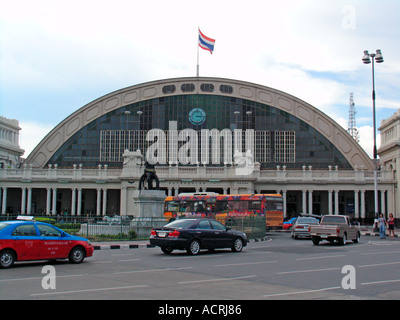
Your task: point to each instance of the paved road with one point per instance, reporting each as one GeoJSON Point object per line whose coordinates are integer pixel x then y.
{"type": "Point", "coordinates": [278, 268]}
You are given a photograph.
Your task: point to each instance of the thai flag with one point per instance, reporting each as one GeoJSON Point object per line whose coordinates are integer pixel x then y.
{"type": "Point", "coordinates": [206, 43]}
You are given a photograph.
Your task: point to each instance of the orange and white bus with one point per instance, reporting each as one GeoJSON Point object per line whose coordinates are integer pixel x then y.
{"type": "Point", "coordinates": [226, 206]}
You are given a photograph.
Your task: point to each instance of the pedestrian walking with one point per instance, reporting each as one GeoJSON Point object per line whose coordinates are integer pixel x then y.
{"type": "Point", "coordinates": [391, 225]}
{"type": "Point", "coordinates": [382, 226]}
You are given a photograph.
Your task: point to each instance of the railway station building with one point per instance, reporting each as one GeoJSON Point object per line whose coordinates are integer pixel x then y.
{"type": "Point", "coordinates": [202, 134]}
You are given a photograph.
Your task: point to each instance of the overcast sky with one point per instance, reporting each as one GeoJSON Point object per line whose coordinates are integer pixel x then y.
{"type": "Point", "coordinates": [57, 56]}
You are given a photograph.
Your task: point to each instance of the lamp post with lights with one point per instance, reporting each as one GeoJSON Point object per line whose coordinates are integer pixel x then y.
{"type": "Point", "coordinates": [366, 59]}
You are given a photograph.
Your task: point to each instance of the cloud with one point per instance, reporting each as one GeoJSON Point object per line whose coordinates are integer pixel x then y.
{"type": "Point", "coordinates": [31, 134]}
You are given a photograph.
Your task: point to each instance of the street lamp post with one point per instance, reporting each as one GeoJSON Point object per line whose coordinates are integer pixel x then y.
{"type": "Point", "coordinates": [379, 59]}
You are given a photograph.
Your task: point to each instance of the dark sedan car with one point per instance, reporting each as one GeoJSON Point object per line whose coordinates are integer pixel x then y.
{"type": "Point", "coordinates": [195, 234]}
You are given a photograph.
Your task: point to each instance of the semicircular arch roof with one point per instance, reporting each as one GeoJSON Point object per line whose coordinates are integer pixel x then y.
{"type": "Point", "coordinates": [339, 137]}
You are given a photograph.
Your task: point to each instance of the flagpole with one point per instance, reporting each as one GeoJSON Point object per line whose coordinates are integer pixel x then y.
{"type": "Point", "coordinates": [198, 52]}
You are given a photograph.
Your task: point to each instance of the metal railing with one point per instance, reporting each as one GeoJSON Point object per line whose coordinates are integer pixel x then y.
{"type": "Point", "coordinates": [104, 228]}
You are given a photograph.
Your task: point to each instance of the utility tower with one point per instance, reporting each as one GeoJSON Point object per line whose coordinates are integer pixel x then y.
{"type": "Point", "coordinates": [352, 129]}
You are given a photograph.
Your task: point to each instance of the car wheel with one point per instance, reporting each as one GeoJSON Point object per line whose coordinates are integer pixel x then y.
{"type": "Point", "coordinates": [237, 245]}
{"type": "Point", "coordinates": [194, 247]}
{"type": "Point", "coordinates": [7, 259]}
{"type": "Point", "coordinates": [357, 239]}
{"type": "Point", "coordinates": [315, 240]}
{"type": "Point", "coordinates": [167, 250]}
{"type": "Point", "coordinates": [343, 240]}
{"type": "Point", "coordinates": [76, 255]}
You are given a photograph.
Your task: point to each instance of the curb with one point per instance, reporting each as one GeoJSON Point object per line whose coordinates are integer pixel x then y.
{"type": "Point", "coordinates": [121, 246]}
{"type": "Point", "coordinates": [141, 245]}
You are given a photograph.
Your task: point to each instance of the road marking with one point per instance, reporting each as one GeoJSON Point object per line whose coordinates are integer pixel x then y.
{"type": "Point", "coordinates": [378, 264]}
{"type": "Point", "coordinates": [374, 253]}
{"type": "Point", "coordinates": [153, 270]}
{"type": "Point", "coordinates": [217, 279]}
{"type": "Point", "coordinates": [324, 257]}
{"type": "Point", "coordinates": [301, 292]}
{"type": "Point", "coordinates": [305, 271]}
{"type": "Point", "coordinates": [35, 278]}
{"type": "Point", "coordinates": [243, 264]}
{"type": "Point", "coordinates": [87, 290]}
{"type": "Point", "coordinates": [379, 282]}
{"type": "Point", "coordinates": [128, 260]}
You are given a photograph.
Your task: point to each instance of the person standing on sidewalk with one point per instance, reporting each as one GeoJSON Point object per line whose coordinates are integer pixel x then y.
{"type": "Point", "coordinates": [391, 225]}
{"type": "Point", "coordinates": [382, 226]}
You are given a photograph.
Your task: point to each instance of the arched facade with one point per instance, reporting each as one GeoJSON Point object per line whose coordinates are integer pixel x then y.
{"type": "Point", "coordinates": [288, 131]}
{"type": "Point", "coordinates": [191, 128]}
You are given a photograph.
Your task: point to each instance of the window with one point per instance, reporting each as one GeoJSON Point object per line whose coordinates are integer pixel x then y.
{"type": "Point", "coordinates": [207, 87]}
{"type": "Point", "coordinates": [217, 225]}
{"type": "Point", "coordinates": [48, 231]}
{"type": "Point", "coordinates": [225, 88]}
{"type": "Point", "coordinates": [204, 224]}
{"type": "Point", "coordinates": [168, 89]}
{"type": "Point", "coordinates": [26, 230]}
{"type": "Point", "coordinates": [187, 87]}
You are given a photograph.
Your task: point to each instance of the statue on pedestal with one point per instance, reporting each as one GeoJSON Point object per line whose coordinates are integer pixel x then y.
{"type": "Point", "coordinates": [149, 176]}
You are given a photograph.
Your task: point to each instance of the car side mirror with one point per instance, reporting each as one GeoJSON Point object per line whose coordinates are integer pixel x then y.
{"type": "Point", "coordinates": [228, 228]}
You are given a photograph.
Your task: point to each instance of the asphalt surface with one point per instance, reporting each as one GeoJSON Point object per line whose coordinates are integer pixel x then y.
{"type": "Point", "coordinates": [277, 268]}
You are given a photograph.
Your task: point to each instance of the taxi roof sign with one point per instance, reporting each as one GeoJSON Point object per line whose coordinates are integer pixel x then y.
{"type": "Point", "coordinates": [26, 218]}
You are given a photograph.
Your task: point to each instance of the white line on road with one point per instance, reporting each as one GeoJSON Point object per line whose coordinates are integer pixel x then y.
{"type": "Point", "coordinates": [243, 264]}
{"type": "Point", "coordinates": [305, 271]}
{"type": "Point", "coordinates": [301, 292]}
{"type": "Point", "coordinates": [324, 257]}
{"type": "Point", "coordinates": [87, 290]}
{"type": "Point", "coordinates": [217, 279]}
{"type": "Point", "coordinates": [153, 270]}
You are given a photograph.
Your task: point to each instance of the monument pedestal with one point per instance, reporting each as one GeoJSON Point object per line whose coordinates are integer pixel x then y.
{"type": "Point", "coordinates": [148, 210]}
{"type": "Point", "coordinates": [148, 203]}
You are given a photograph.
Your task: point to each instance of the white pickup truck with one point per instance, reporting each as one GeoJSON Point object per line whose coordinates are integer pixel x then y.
{"type": "Point", "coordinates": [335, 227]}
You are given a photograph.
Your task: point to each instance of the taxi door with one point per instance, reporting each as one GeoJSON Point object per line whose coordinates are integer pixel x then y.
{"type": "Point", "coordinates": [54, 245]}
{"type": "Point", "coordinates": [27, 242]}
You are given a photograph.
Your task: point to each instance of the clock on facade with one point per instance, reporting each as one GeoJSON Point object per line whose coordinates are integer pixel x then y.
{"type": "Point", "coordinates": [197, 116]}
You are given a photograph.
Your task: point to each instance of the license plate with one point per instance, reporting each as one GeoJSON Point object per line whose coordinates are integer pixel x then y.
{"type": "Point", "coordinates": [162, 234]}
{"type": "Point", "coordinates": [324, 236]}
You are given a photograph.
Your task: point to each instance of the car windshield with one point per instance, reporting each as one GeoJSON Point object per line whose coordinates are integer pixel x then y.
{"type": "Point", "coordinates": [3, 225]}
{"type": "Point", "coordinates": [179, 224]}
{"type": "Point", "coordinates": [307, 220]}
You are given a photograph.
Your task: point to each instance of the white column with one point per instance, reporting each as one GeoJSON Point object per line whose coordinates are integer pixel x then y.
{"type": "Point", "coordinates": [23, 201]}
{"type": "Point", "coordinates": [79, 209]}
{"type": "Point", "coordinates": [330, 204]}
{"type": "Point", "coordinates": [4, 201]}
{"type": "Point", "coordinates": [362, 204]}
{"type": "Point", "coordinates": [98, 206]}
{"type": "Point", "coordinates": [48, 201]}
{"type": "Point", "coordinates": [54, 204]}
{"type": "Point", "coordinates": [356, 204]}
{"type": "Point", "coordinates": [336, 201]}
{"type": "Point", "coordinates": [29, 204]}
{"type": "Point", "coordinates": [310, 202]}
{"type": "Point", "coordinates": [383, 202]}
{"type": "Point", "coordinates": [73, 201]}
{"type": "Point", "coordinates": [304, 201]}
{"type": "Point", "coordinates": [104, 202]}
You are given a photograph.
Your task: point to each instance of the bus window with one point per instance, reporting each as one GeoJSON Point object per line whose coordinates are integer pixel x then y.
{"type": "Point", "coordinates": [274, 205]}
{"type": "Point", "coordinates": [254, 205]}
{"type": "Point", "coordinates": [171, 206]}
{"type": "Point", "coordinates": [221, 206]}
{"type": "Point", "coordinates": [238, 205]}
